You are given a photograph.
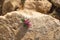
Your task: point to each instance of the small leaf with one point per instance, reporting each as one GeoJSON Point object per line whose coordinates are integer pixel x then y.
{"type": "Point", "coordinates": [22, 20]}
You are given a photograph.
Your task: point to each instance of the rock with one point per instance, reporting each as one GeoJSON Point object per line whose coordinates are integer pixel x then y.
{"type": "Point", "coordinates": [30, 5]}
{"type": "Point", "coordinates": [43, 27]}
{"type": "Point", "coordinates": [40, 5]}
{"type": "Point", "coordinates": [10, 5]}
{"type": "Point", "coordinates": [43, 6]}
{"type": "Point", "coordinates": [56, 2]}
{"type": "Point", "coordinates": [5, 32]}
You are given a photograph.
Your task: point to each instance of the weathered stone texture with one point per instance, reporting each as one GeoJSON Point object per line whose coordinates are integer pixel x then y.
{"type": "Point", "coordinates": [44, 27]}
{"type": "Point", "coordinates": [42, 6]}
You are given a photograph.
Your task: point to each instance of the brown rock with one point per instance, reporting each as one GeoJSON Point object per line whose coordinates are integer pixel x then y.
{"type": "Point", "coordinates": [5, 31]}
{"type": "Point", "coordinates": [43, 27]}
{"type": "Point", "coordinates": [43, 6]}
{"type": "Point", "coordinates": [10, 5]}
{"type": "Point", "coordinates": [40, 5]}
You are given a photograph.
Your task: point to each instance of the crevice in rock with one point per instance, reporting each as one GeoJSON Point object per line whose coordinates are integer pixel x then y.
{"type": "Point", "coordinates": [52, 8]}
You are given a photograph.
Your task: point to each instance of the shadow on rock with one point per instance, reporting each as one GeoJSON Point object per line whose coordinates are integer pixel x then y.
{"type": "Point", "coordinates": [20, 34]}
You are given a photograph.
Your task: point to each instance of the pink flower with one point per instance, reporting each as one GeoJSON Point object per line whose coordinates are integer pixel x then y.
{"type": "Point", "coordinates": [27, 22]}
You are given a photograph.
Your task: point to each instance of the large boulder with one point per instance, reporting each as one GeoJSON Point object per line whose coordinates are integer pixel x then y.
{"type": "Point", "coordinates": [56, 2]}
{"type": "Point", "coordinates": [43, 27]}
{"type": "Point", "coordinates": [42, 6]}
{"type": "Point", "coordinates": [10, 5]}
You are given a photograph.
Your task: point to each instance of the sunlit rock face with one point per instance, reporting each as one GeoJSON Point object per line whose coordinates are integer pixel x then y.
{"type": "Point", "coordinates": [56, 2]}
{"type": "Point", "coordinates": [43, 27]}
{"type": "Point", "coordinates": [10, 5]}
{"type": "Point", "coordinates": [42, 6]}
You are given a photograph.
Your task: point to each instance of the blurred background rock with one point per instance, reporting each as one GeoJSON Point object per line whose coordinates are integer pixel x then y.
{"type": "Point", "coordinates": [50, 7]}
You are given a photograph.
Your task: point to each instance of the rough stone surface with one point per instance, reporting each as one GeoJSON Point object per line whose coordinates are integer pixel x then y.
{"type": "Point", "coordinates": [43, 27]}
{"type": "Point", "coordinates": [40, 5]}
{"type": "Point", "coordinates": [56, 2]}
{"type": "Point", "coordinates": [10, 5]}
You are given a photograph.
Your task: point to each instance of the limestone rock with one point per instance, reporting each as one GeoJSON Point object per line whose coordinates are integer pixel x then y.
{"type": "Point", "coordinates": [56, 2]}
{"type": "Point", "coordinates": [10, 5]}
{"type": "Point", "coordinates": [43, 27]}
{"type": "Point", "coordinates": [40, 5]}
